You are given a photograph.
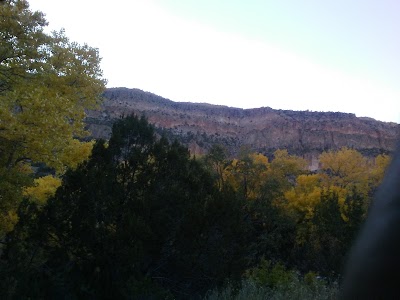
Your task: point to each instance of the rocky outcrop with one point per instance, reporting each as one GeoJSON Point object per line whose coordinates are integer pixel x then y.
{"type": "Point", "coordinates": [263, 129]}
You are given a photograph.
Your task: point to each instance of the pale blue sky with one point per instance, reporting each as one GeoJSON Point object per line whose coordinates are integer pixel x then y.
{"type": "Point", "coordinates": [356, 35]}
{"type": "Point", "coordinates": [286, 54]}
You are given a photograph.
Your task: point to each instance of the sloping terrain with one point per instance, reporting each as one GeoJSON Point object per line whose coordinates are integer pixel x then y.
{"type": "Point", "coordinates": [263, 129]}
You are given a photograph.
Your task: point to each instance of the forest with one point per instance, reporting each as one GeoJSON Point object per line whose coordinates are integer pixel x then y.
{"type": "Point", "coordinates": [142, 219]}
{"type": "Point", "coordinates": [137, 216]}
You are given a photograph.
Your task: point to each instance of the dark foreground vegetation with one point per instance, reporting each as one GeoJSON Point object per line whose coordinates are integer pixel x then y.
{"type": "Point", "coordinates": [141, 219]}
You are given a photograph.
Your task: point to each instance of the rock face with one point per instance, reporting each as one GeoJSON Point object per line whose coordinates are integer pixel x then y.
{"type": "Point", "coordinates": [262, 129]}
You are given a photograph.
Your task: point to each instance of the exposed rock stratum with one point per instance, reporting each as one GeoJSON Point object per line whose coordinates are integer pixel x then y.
{"type": "Point", "coordinates": [199, 125]}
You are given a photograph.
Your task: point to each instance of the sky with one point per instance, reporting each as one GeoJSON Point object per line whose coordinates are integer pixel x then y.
{"type": "Point", "coordinates": [341, 55]}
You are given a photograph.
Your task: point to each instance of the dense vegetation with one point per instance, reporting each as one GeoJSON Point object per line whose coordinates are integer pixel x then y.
{"type": "Point", "coordinates": [137, 217]}
{"type": "Point", "coordinates": [46, 83]}
{"type": "Point", "coordinates": [141, 218]}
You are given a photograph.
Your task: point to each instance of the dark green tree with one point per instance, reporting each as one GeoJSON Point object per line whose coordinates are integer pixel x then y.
{"type": "Point", "coordinates": [355, 212]}
{"type": "Point", "coordinates": [326, 247]}
{"type": "Point", "coordinates": [139, 219]}
{"type": "Point", "coordinates": [273, 231]}
{"type": "Point", "coordinates": [216, 160]}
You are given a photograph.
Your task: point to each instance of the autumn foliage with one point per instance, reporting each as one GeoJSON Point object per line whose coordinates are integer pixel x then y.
{"type": "Point", "coordinates": [46, 83]}
{"type": "Point", "coordinates": [137, 217]}
{"type": "Point", "coordinates": [141, 217]}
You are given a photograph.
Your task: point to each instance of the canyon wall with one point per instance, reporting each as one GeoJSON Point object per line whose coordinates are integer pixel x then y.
{"type": "Point", "coordinates": [199, 125]}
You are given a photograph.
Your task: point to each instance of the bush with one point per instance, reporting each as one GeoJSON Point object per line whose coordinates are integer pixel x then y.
{"type": "Point", "coordinates": [276, 283]}
{"type": "Point", "coordinates": [269, 275]}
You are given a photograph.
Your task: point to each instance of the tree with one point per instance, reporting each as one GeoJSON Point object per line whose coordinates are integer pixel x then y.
{"type": "Point", "coordinates": [325, 238]}
{"type": "Point", "coordinates": [378, 169]}
{"type": "Point", "coordinates": [354, 214]}
{"type": "Point", "coordinates": [43, 188]}
{"type": "Point", "coordinates": [345, 168]}
{"type": "Point", "coordinates": [216, 159]}
{"type": "Point", "coordinates": [46, 83]}
{"type": "Point", "coordinates": [273, 231]}
{"type": "Point", "coordinates": [247, 174]}
{"type": "Point", "coordinates": [285, 167]}
{"type": "Point", "coordinates": [304, 196]}
{"type": "Point", "coordinates": [140, 216]}
{"type": "Point", "coordinates": [12, 183]}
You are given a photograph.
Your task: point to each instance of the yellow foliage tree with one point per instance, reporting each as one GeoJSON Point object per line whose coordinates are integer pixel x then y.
{"type": "Point", "coordinates": [76, 152]}
{"type": "Point", "coordinates": [46, 83]}
{"type": "Point", "coordinates": [43, 188]}
{"type": "Point", "coordinates": [346, 169]}
{"type": "Point", "coordinates": [247, 174]}
{"type": "Point", "coordinates": [255, 176]}
{"type": "Point", "coordinates": [304, 196]}
{"type": "Point", "coordinates": [284, 168]}
{"type": "Point", "coordinates": [11, 188]}
{"type": "Point", "coordinates": [378, 169]}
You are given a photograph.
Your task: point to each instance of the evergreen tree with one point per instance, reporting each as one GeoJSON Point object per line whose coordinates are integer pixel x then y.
{"type": "Point", "coordinates": [139, 219]}
{"type": "Point", "coordinates": [327, 245]}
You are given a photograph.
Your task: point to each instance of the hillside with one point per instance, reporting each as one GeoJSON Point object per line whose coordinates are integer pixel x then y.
{"type": "Point", "coordinates": [263, 129]}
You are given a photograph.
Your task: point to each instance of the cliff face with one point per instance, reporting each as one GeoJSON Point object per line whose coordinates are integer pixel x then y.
{"type": "Point", "coordinates": [262, 129]}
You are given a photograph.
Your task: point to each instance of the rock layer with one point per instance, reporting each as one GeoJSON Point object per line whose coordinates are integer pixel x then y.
{"type": "Point", "coordinates": [264, 130]}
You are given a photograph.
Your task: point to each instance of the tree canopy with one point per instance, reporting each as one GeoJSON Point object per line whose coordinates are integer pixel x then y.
{"type": "Point", "coordinates": [138, 216]}
{"type": "Point", "coordinates": [142, 219]}
{"type": "Point", "coordinates": [46, 83]}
